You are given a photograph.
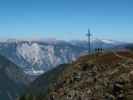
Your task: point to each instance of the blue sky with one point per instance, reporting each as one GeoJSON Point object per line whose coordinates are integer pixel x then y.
{"type": "Point", "coordinates": [66, 19]}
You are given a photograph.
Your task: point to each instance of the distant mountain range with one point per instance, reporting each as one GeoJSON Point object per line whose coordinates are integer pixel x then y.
{"type": "Point", "coordinates": [38, 56]}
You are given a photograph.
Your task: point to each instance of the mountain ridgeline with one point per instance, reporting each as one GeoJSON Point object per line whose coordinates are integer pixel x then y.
{"type": "Point", "coordinates": [106, 76]}
{"type": "Point", "coordinates": [37, 57]}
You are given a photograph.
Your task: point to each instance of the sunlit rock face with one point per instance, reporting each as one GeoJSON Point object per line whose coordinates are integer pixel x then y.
{"type": "Point", "coordinates": [43, 57]}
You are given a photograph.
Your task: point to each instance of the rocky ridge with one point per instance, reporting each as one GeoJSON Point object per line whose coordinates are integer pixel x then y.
{"type": "Point", "coordinates": [106, 77]}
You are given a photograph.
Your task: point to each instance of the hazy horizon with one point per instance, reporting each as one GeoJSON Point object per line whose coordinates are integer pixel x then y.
{"type": "Point", "coordinates": [55, 39]}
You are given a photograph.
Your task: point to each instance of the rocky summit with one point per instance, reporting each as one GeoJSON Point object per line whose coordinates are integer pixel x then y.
{"type": "Point", "coordinates": [96, 77]}
{"type": "Point", "coordinates": [107, 76]}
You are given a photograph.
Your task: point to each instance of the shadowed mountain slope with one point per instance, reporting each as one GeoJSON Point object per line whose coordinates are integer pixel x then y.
{"type": "Point", "coordinates": [12, 80]}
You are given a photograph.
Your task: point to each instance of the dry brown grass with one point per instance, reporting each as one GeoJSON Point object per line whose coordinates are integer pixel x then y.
{"type": "Point", "coordinates": [126, 54]}
{"type": "Point", "coordinates": [106, 58]}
